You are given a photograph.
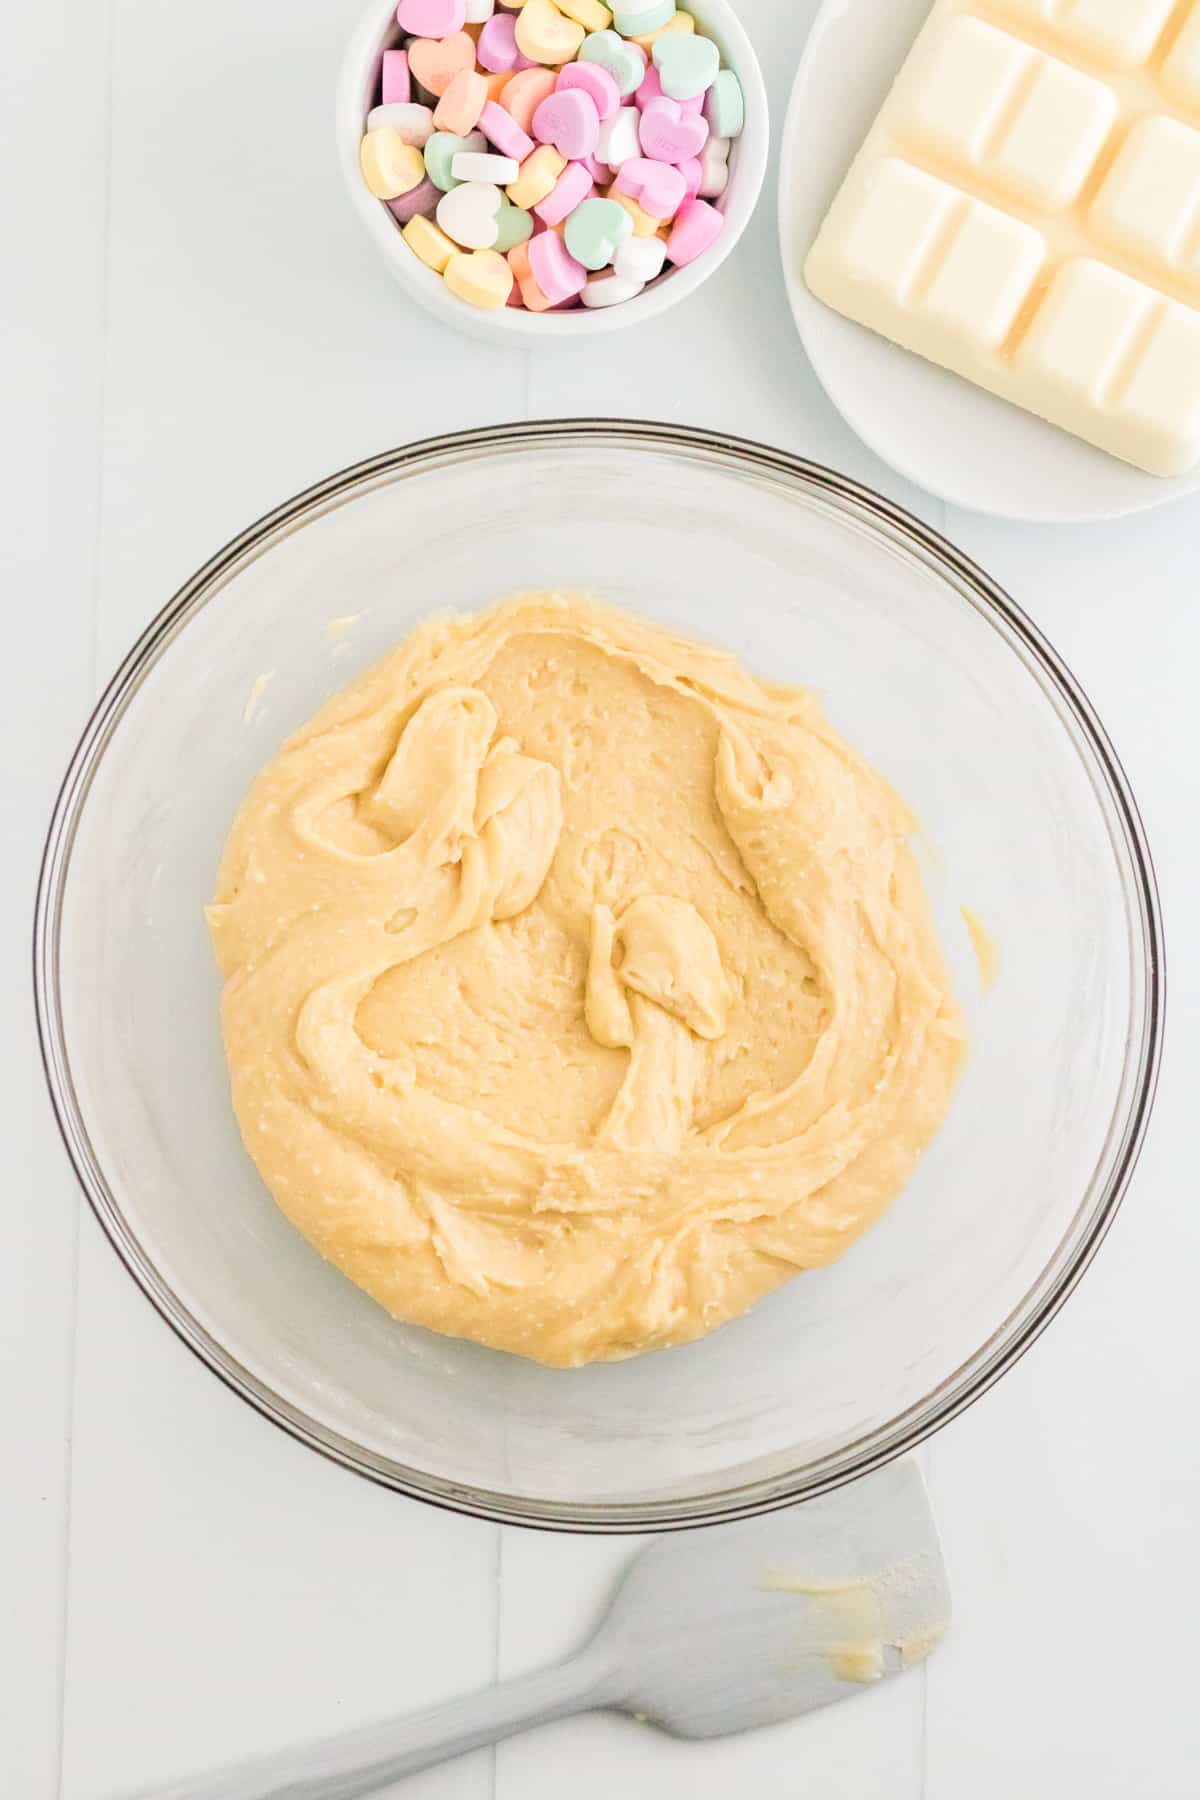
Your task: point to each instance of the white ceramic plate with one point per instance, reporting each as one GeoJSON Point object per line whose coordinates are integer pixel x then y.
{"type": "Point", "coordinates": [940, 431]}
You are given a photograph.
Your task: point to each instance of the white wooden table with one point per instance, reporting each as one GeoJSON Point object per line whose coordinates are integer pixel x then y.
{"type": "Point", "coordinates": [194, 328]}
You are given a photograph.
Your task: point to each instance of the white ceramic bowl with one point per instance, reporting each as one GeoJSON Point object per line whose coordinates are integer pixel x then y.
{"type": "Point", "coordinates": [358, 82]}
{"type": "Point", "coordinates": [925, 665]}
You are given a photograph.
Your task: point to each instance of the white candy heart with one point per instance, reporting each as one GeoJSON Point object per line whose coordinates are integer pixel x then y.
{"type": "Point", "coordinates": [478, 165]}
{"type": "Point", "coordinates": [413, 122]}
{"type": "Point", "coordinates": [607, 289]}
{"type": "Point", "coordinates": [714, 168]}
{"type": "Point", "coordinates": [479, 11]}
{"type": "Point", "coordinates": [618, 139]}
{"type": "Point", "coordinates": [639, 259]}
{"type": "Point", "coordinates": [470, 214]}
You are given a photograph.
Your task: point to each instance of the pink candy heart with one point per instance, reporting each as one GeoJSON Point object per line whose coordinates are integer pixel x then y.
{"type": "Point", "coordinates": [431, 18]}
{"type": "Point", "coordinates": [396, 86]}
{"type": "Point", "coordinates": [658, 187]}
{"type": "Point", "coordinates": [670, 135]}
{"type": "Point", "coordinates": [693, 174]}
{"type": "Point", "coordinates": [568, 119]}
{"type": "Point", "coordinates": [554, 269]}
{"type": "Point", "coordinates": [695, 230]}
{"type": "Point", "coordinates": [596, 83]}
{"type": "Point", "coordinates": [571, 189]}
{"type": "Point", "coordinates": [501, 129]}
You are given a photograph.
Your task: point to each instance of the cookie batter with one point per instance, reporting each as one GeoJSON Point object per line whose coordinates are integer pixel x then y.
{"type": "Point", "coordinates": [579, 987]}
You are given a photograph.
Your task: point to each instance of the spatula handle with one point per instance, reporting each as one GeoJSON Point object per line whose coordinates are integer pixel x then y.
{"type": "Point", "coordinates": [360, 1762]}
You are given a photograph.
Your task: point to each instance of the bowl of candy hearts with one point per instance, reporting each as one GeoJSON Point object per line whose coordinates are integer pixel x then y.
{"type": "Point", "coordinates": [553, 167]}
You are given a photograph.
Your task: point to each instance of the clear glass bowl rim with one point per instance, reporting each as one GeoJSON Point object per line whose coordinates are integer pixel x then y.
{"type": "Point", "coordinates": [884, 519]}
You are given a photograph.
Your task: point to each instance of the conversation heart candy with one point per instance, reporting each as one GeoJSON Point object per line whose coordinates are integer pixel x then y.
{"type": "Point", "coordinates": [537, 176]}
{"type": "Point", "coordinates": [696, 229]}
{"type": "Point", "coordinates": [638, 18]}
{"type": "Point", "coordinates": [594, 230]}
{"type": "Point", "coordinates": [609, 289]}
{"type": "Point", "coordinates": [497, 46]}
{"type": "Point", "coordinates": [668, 134]}
{"type": "Point", "coordinates": [622, 60]}
{"type": "Point", "coordinates": [390, 167]}
{"type": "Point", "coordinates": [459, 108]}
{"type": "Point", "coordinates": [421, 199]}
{"type": "Point", "coordinates": [658, 187]}
{"type": "Point", "coordinates": [546, 35]}
{"type": "Point", "coordinates": [553, 267]}
{"type": "Point", "coordinates": [479, 11]}
{"type": "Point", "coordinates": [652, 89]}
{"type": "Point", "coordinates": [617, 140]}
{"type": "Point", "coordinates": [645, 225]}
{"type": "Point", "coordinates": [600, 172]}
{"type": "Point", "coordinates": [714, 168]}
{"type": "Point", "coordinates": [725, 105]}
{"type": "Point", "coordinates": [640, 259]}
{"type": "Point", "coordinates": [595, 82]}
{"type": "Point", "coordinates": [440, 151]}
{"type": "Point", "coordinates": [395, 82]}
{"type": "Point", "coordinates": [523, 93]}
{"type": "Point", "coordinates": [693, 173]}
{"type": "Point", "coordinates": [414, 123]}
{"type": "Point", "coordinates": [593, 15]}
{"type": "Point", "coordinates": [687, 64]}
{"type": "Point", "coordinates": [501, 129]}
{"type": "Point", "coordinates": [531, 294]}
{"type": "Point", "coordinates": [569, 121]}
{"type": "Point", "coordinates": [479, 165]}
{"type": "Point", "coordinates": [429, 242]}
{"type": "Point", "coordinates": [513, 226]}
{"type": "Point", "coordinates": [434, 62]}
{"type": "Point", "coordinates": [431, 18]}
{"type": "Point", "coordinates": [481, 277]}
{"type": "Point", "coordinates": [469, 214]}
{"type": "Point", "coordinates": [679, 21]}
{"type": "Point", "coordinates": [573, 186]}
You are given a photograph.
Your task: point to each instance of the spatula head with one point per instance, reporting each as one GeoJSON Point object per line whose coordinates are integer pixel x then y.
{"type": "Point", "coordinates": [743, 1625]}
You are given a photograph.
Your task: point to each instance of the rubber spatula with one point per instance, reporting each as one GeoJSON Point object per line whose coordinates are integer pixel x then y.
{"type": "Point", "coordinates": [711, 1631]}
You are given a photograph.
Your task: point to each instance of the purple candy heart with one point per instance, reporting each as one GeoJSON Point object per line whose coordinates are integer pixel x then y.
{"type": "Point", "coordinates": [670, 135]}
{"type": "Point", "coordinates": [497, 47]}
{"type": "Point", "coordinates": [568, 119]}
{"type": "Point", "coordinates": [421, 199]}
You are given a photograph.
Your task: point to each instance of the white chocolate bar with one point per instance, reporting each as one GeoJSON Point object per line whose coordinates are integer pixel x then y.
{"type": "Point", "coordinates": [1026, 212]}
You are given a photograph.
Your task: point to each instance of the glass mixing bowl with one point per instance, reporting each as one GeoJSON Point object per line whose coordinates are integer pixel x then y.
{"type": "Point", "coordinates": [924, 664]}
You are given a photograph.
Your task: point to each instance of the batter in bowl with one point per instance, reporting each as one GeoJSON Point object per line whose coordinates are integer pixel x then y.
{"type": "Point", "coordinates": [580, 988]}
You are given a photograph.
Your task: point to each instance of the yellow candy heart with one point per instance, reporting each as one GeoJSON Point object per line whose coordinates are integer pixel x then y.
{"type": "Point", "coordinates": [544, 35]}
{"type": "Point", "coordinates": [679, 21]}
{"type": "Point", "coordinates": [390, 167]}
{"type": "Point", "coordinates": [480, 277]}
{"type": "Point", "coordinates": [429, 242]}
{"type": "Point", "coordinates": [537, 174]}
{"type": "Point", "coordinates": [588, 13]}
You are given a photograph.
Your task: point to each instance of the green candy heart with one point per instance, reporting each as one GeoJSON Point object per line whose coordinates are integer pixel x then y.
{"type": "Point", "coordinates": [725, 105]}
{"type": "Point", "coordinates": [687, 64]}
{"type": "Point", "coordinates": [515, 227]}
{"type": "Point", "coordinates": [624, 62]}
{"type": "Point", "coordinates": [638, 18]}
{"type": "Point", "coordinates": [595, 230]}
{"type": "Point", "coordinates": [440, 150]}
